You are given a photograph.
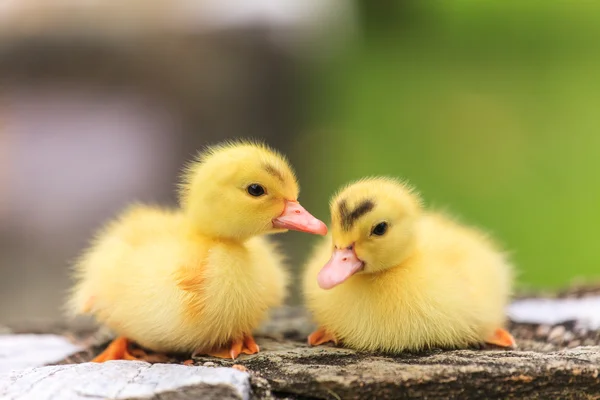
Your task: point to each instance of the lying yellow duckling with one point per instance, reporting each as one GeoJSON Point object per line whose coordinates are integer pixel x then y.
{"type": "Point", "coordinates": [199, 278]}
{"type": "Point", "coordinates": [401, 279]}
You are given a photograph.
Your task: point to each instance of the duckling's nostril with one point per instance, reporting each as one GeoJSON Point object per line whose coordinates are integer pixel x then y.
{"type": "Point", "coordinates": [297, 211]}
{"type": "Point", "coordinates": [345, 259]}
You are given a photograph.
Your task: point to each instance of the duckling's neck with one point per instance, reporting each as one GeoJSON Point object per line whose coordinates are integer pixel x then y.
{"type": "Point", "coordinates": [196, 232]}
{"type": "Point", "coordinates": [203, 223]}
{"type": "Point", "coordinates": [383, 276]}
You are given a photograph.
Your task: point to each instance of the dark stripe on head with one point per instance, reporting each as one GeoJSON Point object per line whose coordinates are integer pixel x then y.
{"type": "Point", "coordinates": [349, 218]}
{"type": "Point", "coordinates": [274, 171]}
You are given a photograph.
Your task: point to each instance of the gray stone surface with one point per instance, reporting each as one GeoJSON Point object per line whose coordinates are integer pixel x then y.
{"type": "Point", "coordinates": [124, 380]}
{"type": "Point", "coordinates": [22, 351]}
{"type": "Point", "coordinates": [292, 369]}
{"type": "Point", "coordinates": [549, 363]}
{"type": "Point", "coordinates": [586, 311]}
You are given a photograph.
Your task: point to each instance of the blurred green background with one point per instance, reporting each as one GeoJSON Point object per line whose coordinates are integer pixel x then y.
{"type": "Point", "coordinates": [491, 110]}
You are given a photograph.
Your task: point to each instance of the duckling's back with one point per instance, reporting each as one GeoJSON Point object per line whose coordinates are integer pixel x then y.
{"type": "Point", "coordinates": [465, 272]}
{"type": "Point", "coordinates": [129, 264]}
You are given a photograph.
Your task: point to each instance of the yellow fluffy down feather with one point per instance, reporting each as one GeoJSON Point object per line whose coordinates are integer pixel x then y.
{"type": "Point", "coordinates": [198, 277]}
{"type": "Point", "coordinates": [426, 281]}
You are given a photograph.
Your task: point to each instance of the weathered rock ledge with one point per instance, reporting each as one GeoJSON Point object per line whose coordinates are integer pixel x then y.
{"type": "Point", "coordinates": [128, 380]}
{"type": "Point", "coordinates": [542, 367]}
{"type": "Point", "coordinates": [334, 373]}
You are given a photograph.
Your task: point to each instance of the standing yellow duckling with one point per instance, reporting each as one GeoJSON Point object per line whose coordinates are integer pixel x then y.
{"type": "Point", "coordinates": [199, 278]}
{"type": "Point", "coordinates": [399, 278]}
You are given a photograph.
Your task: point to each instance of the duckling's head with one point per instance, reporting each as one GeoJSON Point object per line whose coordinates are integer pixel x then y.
{"type": "Point", "coordinates": [373, 223]}
{"type": "Point", "coordinates": [241, 189]}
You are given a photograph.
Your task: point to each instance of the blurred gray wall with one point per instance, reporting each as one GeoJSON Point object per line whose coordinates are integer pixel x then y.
{"type": "Point", "coordinates": [90, 122]}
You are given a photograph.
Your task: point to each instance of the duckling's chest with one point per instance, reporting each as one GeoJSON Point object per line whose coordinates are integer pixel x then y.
{"type": "Point", "coordinates": [395, 318]}
{"type": "Point", "coordinates": [373, 317]}
{"type": "Point", "coordinates": [231, 294]}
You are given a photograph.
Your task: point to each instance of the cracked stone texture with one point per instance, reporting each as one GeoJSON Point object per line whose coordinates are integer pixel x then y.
{"type": "Point", "coordinates": [550, 362]}
{"type": "Point", "coordinates": [336, 373]}
{"type": "Point", "coordinates": [124, 380]}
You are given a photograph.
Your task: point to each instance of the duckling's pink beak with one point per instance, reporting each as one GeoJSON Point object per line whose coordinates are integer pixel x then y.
{"type": "Point", "coordinates": [295, 217]}
{"type": "Point", "coordinates": [343, 264]}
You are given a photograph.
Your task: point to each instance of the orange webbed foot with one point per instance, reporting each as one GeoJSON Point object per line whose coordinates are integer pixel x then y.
{"type": "Point", "coordinates": [245, 345]}
{"type": "Point", "coordinates": [250, 346]}
{"type": "Point", "coordinates": [321, 336]}
{"type": "Point", "coordinates": [501, 338]}
{"type": "Point", "coordinates": [117, 350]}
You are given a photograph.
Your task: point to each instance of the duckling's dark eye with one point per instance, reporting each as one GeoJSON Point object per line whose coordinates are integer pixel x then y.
{"type": "Point", "coordinates": [256, 190]}
{"type": "Point", "coordinates": [380, 229]}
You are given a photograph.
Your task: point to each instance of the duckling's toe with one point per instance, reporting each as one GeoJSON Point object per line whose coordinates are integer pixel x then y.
{"type": "Point", "coordinates": [117, 350]}
{"type": "Point", "coordinates": [250, 346]}
{"type": "Point", "coordinates": [502, 338]}
{"type": "Point", "coordinates": [321, 336]}
{"type": "Point", "coordinates": [222, 353]}
{"type": "Point", "coordinates": [246, 345]}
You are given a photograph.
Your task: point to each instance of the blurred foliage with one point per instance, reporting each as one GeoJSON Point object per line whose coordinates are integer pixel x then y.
{"type": "Point", "coordinates": [489, 108]}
